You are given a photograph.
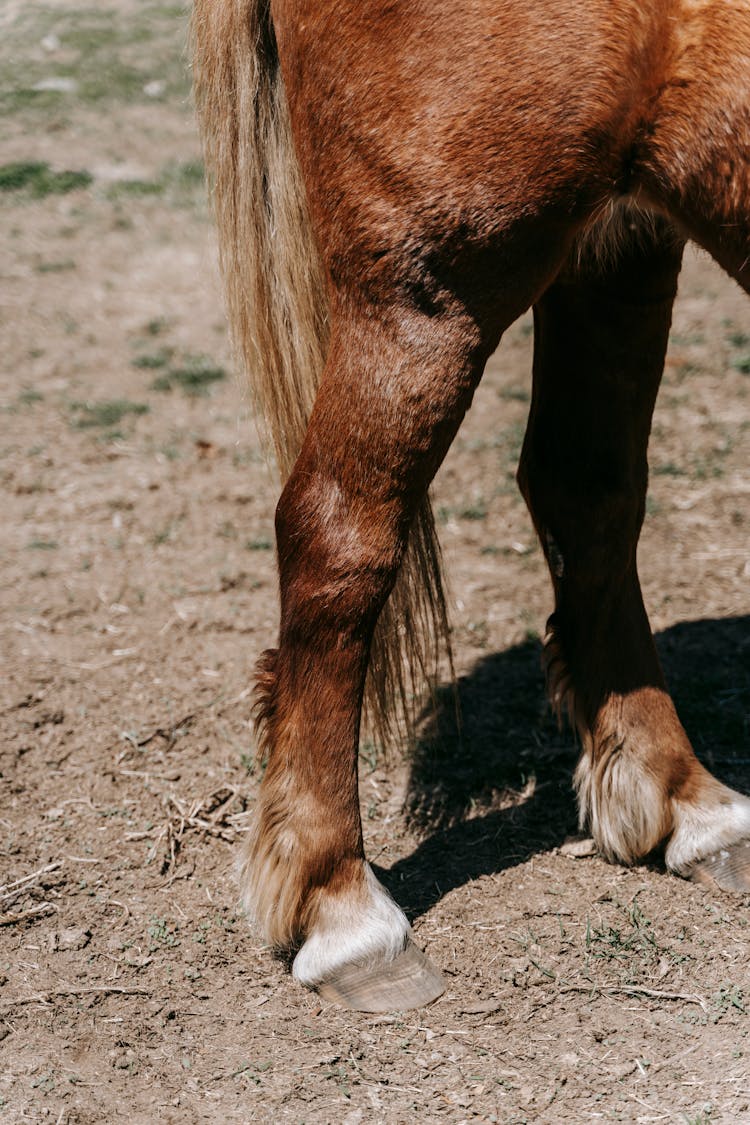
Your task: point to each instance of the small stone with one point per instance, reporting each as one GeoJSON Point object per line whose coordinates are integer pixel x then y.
{"type": "Point", "coordinates": [73, 938]}
{"type": "Point", "coordinates": [124, 1061]}
{"type": "Point", "coordinates": [623, 1070]}
{"type": "Point", "coordinates": [570, 1060]}
{"type": "Point", "coordinates": [57, 85]}
{"type": "Point", "coordinates": [481, 1008]}
{"type": "Point", "coordinates": [578, 847]}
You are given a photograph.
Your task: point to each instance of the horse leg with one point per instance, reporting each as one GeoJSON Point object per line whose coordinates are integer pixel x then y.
{"type": "Point", "coordinates": [600, 339]}
{"type": "Point", "coordinates": [391, 398]}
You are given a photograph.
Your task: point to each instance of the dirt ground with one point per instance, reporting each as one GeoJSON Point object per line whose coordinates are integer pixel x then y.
{"type": "Point", "coordinates": [137, 591]}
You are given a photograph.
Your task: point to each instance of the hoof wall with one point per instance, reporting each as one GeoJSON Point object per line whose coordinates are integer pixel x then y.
{"type": "Point", "coordinates": [727, 869]}
{"type": "Point", "coordinates": [409, 981]}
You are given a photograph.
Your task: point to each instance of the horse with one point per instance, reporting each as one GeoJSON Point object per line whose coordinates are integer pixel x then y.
{"type": "Point", "coordinates": [394, 185]}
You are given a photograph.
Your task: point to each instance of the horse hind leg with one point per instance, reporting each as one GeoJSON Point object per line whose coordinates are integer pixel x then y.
{"type": "Point", "coordinates": [391, 398]}
{"type": "Point", "coordinates": [600, 338]}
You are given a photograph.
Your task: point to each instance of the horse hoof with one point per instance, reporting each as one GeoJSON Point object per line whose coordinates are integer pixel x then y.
{"type": "Point", "coordinates": [727, 869]}
{"type": "Point", "coordinates": [410, 980]}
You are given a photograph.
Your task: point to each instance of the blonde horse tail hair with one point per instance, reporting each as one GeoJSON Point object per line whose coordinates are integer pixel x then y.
{"type": "Point", "coordinates": [278, 313]}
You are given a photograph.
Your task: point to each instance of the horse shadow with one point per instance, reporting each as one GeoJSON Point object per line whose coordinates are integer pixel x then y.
{"type": "Point", "coordinates": [492, 789]}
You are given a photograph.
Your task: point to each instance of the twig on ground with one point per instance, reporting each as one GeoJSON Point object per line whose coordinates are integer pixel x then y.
{"type": "Point", "coordinates": [11, 890]}
{"type": "Point", "coordinates": [209, 815]}
{"type": "Point", "coordinates": [637, 990]}
{"type": "Point", "coordinates": [53, 994]}
{"type": "Point", "coordinates": [168, 733]}
{"type": "Point", "coordinates": [21, 916]}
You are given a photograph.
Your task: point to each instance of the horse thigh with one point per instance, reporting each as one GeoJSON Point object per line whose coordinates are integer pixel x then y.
{"type": "Point", "coordinates": [692, 161]}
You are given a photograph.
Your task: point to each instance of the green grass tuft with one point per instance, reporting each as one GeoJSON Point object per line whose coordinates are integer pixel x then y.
{"type": "Point", "coordinates": [106, 413]}
{"type": "Point", "coordinates": [135, 188]}
{"type": "Point", "coordinates": [194, 376]}
{"type": "Point", "coordinates": [37, 179]}
{"type": "Point", "coordinates": [42, 545]}
{"type": "Point", "coordinates": [153, 361]}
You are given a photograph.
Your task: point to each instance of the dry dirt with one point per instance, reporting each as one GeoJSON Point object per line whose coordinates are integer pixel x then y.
{"type": "Point", "coordinates": [138, 589]}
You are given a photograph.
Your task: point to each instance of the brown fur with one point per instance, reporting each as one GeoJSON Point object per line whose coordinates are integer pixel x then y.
{"type": "Point", "coordinates": [461, 163]}
{"type": "Point", "coordinates": [278, 311]}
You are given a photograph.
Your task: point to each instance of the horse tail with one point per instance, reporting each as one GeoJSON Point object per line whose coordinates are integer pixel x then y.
{"type": "Point", "coordinates": [278, 311]}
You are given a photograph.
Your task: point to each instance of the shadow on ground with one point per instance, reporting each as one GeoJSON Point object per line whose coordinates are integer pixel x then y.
{"type": "Point", "coordinates": [497, 791]}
